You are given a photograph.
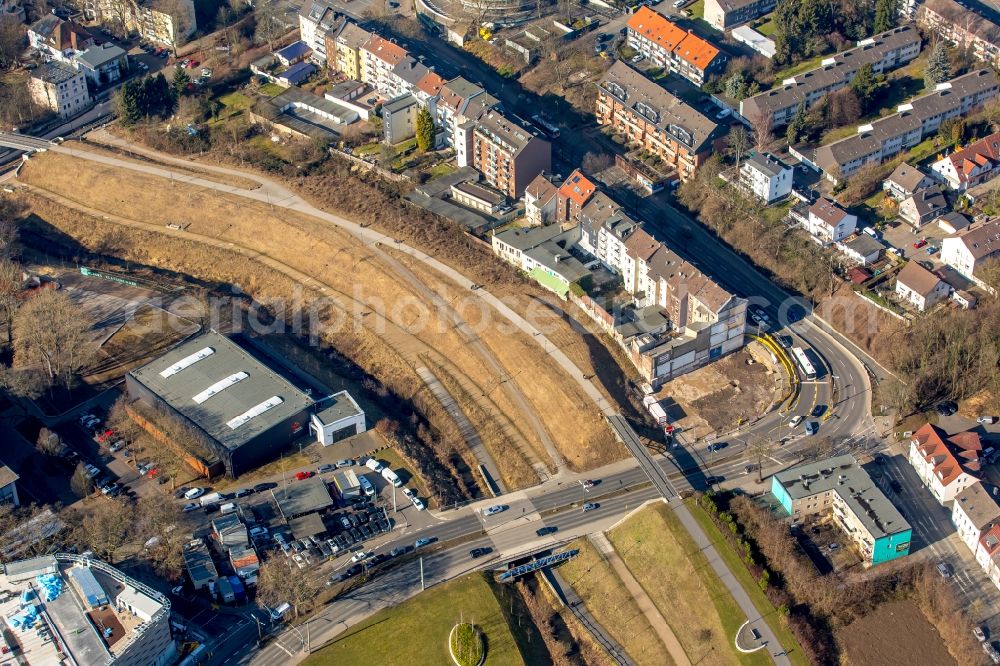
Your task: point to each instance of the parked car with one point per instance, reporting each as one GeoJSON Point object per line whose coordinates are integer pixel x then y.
{"type": "Point", "coordinates": [986, 420]}
{"type": "Point", "coordinates": [812, 428]}
{"type": "Point", "coordinates": [418, 503]}
{"type": "Point", "coordinates": [360, 555]}
{"type": "Point", "coordinates": [194, 493]}
{"type": "Point", "coordinates": [299, 476]}
{"type": "Point", "coordinates": [243, 492]}
{"type": "Point", "coordinates": [979, 634]}
{"type": "Point", "coordinates": [374, 465]}
{"type": "Point", "coordinates": [920, 243]}
{"type": "Point", "coordinates": [895, 485]}
{"type": "Point", "coordinates": [944, 569]}
{"type": "Point", "coordinates": [409, 492]}
{"type": "Point", "coordinates": [323, 469]}
{"type": "Point", "coordinates": [117, 446]}
{"type": "Point", "coordinates": [347, 462]}
{"type": "Point", "coordinates": [261, 487]}
{"type": "Point", "coordinates": [932, 249]}
{"type": "Point", "coordinates": [817, 411]}
{"type": "Point", "coordinates": [794, 421]}
{"type": "Point", "coordinates": [638, 58]}
{"type": "Point", "coordinates": [946, 407]}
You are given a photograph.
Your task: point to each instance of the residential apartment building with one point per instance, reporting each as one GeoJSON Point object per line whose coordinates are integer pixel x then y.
{"type": "Point", "coordinates": [884, 52]}
{"type": "Point", "coordinates": [988, 553]}
{"type": "Point", "coordinates": [573, 195]}
{"type": "Point", "coordinates": [379, 58]}
{"type": "Point", "coordinates": [317, 19]}
{"type": "Point", "coordinates": [60, 88]}
{"type": "Point", "coordinates": [725, 14]}
{"type": "Point", "coordinates": [399, 119]}
{"type": "Point", "coordinates": [887, 137]}
{"type": "Point", "coordinates": [947, 465]}
{"type": "Point", "coordinates": [840, 487]}
{"type": "Point", "coordinates": [507, 154]}
{"type": "Point", "coordinates": [60, 39]}
{"type": "Point", "coordinates": [653, 119]}
{"type": "Point", "coordinates": [976, 163]}
{"type": "Point", "coordinates": [459, 104]}
{"type": "Point", "coordinates": [103, 64]}
{"type": "Point", "coordinates": [766, 177]}
{"type": "Point", "coordinates": [167, 22]}
{"type": "Point", "coordinates": [544, 254]}
{"type": "Point", "coordinates": [669, 46]}
{"type": "Point", "coordinates": [963, 26]}
{"type": "Point", "coordinates": [904, 181]}
{"type": "Point", "coordinates": [828, 223]}
{"type": "Point", "coordinates": [8, 486]}
{"type": "Point", "coordinates": [968, 249]}
{"type": "Point", "coordinates": [974, 513]}
{"type": "Point", "coordinates": [343, 49]}
{"type": "Point", "coordinates": [919, 287]}
{"type": "Point", "coordinates": [540, 199]}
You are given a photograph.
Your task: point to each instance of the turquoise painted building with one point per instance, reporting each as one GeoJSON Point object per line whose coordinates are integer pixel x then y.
{"type": "Point", "coordinates": [841, 487]}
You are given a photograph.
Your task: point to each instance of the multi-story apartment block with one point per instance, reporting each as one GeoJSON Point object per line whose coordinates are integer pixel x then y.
{"type": "Point", "coordinates": [317, 19]}
{"type": "Point", "coordinates": [83, 611]}
{"type": "Point", "coordinates": [885, 51]}
{"type": "Point", "coordinates": [947, 465]}
{"type": "Point", "coordinates": [724, 14]}
{"type": "Point", "coordinates": [970, 166]}
{"type": "Point", "coordinates": [650, 117]}
{"type": "Point", "coordinates": [573, 195]}
{"type": "Point", "coordinates": [974, 513]}
{"type": "Point", "coordinates": [346, 44]}
{"type": "Point", "coordinates": [967, 250]}
{"type": "Point", "coordinates": [669, 46]}
{"type": "Point", "coordinates": [459, 104]}
{"type": "Point", "coordinates": [766, 177]}
{"type": "Point", "coordinates": [380, 57]}
{"type": "Point", "coordinates": [963, 26]}
{"type": "Point", "coordinates": [840, 486]}
{"type": "Point", "coordinates": [167, 22]}
{"type": "Point", "coordinates": [60, 88]}
{"type": "Point", "coordinates": [887, 137]}
{"type": "Point", "coordinates": [540, 200]}
{"type": "Point", "coordinates": [507, 154]}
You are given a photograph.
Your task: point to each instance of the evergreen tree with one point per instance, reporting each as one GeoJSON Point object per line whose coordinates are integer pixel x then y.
{"type": "Point", "coordinates": [736, 86]}
{"type": "Point", "coordinates": [886, 15]}
{"type": "Point", "coordinates": [938, 66]}
{"type": "Point", "coordinates": [425, 129]}
{"type": "Point", "coordinates": [797, 127]}
{"type": "Point", "coordinates": [866, 85]}
{"type": "Point", "coordinates": [180, 81]}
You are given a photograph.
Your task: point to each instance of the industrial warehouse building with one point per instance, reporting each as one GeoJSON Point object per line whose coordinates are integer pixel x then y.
{"type": "Point", "coordinates": [859, 508]}
{"type": "Point", "coordinates": [245, 411]}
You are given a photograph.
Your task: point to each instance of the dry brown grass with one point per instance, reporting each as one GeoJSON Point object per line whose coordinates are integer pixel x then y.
{"type": "Point", "coordinates": [141, 158]}
{"type": "Point", "coordinates": [602, 590]}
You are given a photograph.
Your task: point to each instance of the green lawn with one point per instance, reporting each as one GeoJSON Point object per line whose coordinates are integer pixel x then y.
{"type": "Point", "coordinates": [416, 631]}
{"type": "Point", "coordinates": [675, 574]}
{"type": "Point", "coordinates": [803, 66]}
{"type": "Point", "coordinates": [441, 169]}
{"type": "Point", "coordinates": [697, 9]}
{"type": "Point", "coordinates": [760, 602]}
{"type": "Point", "coordinates": [235, 101]}
{"type": "Point", "coordinates": [271, 89]}
{"type": "Point", "coordinates": [766, 28]}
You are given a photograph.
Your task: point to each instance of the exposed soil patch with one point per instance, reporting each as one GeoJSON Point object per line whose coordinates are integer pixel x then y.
{"type": "Point", "coordinates": [894, 634]}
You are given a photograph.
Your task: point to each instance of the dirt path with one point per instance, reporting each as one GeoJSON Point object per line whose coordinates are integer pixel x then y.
{"type": "Point", "coordinates": [275, 194]}
{"type": "Point", "coordinates": [652, 613]}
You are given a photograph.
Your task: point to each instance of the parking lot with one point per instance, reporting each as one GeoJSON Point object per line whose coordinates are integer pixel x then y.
{"type": "Point", "coordinates": [901, 236]}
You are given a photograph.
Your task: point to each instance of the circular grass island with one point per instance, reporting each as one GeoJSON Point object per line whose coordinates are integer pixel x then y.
{"type": "Point", "coordinates": [466, 645]}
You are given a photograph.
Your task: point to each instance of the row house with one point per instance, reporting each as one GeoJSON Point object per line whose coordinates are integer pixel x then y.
{"type": "Point", "coordinates": [379, 58]}
{"type": "Point", "coordinates": [653, 119]}
{"type": "Point", "coordinates": [964, 27]}
{"type": "Point", "coordinates": [976, 163]}
{"type": "Point", "coordinates": [967, 250]}
{"type": "Point", "coordinates": [947, 465]}
{"type": "Point", "coordinates": [671, 47]}
{"type": "Point", "coordinates": [988, 554]}
{"type": "Point", "coordinates": [458, 106]}
{"type": "Point", "coordinates": [343, 49]}
{"type": "Point", "coordinates": [540, 199]}
{"type": "Point", "coordinates": [573, 195]}
{"type": "Point", "coordinates": [884, 52]}
{"type": "Point", "coordinates": [974, 513]}
{"type": "Point", "coordinates": [887, 137]}
{"type": "Point", "coordinates": [507, 154]}
{"type": "Point", "coordinates": [724, 14]}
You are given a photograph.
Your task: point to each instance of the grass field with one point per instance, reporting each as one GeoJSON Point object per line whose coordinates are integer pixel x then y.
{"type": "Point", "coordinates": [271, 89]}
{"type": "Point", "coordinates": [611, 605]}
{"type": "Point", "coordinates": [416, 632]}
{"type": "Point", "coordinates": [803, 66]}
{"type": "Point", "coordinates": [697, 9]}
{"type": "Point", "coordinates": [677, 577]}
{"type": "Point", "coordinates": [766, 28]}
{"type": "Point", "coordinates": [741, 574]}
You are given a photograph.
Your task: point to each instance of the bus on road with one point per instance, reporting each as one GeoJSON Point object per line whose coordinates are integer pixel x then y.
{"type": "Point", "coordinates": [808, 371]}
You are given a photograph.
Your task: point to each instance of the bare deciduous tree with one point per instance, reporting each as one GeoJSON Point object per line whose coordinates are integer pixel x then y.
{"type": "Point", "coordinates": [596, 162]}
{"type": "Point", "coordinates": [80, 483]}
{"type": "Point", "coordinates": [11, 282]}
{"type": "Point", "coordinates": [281, 581]}
{"type": "Point", "coordinates": [49, 332]}
{"type": "Point", "coordinates": [48, 442]}
{"type": "Point", "coordinates": [760, 130]}
{"type": "Point", "coordinates": [739, 144]}
{"type": "Point", "coordinates": [104, 528]}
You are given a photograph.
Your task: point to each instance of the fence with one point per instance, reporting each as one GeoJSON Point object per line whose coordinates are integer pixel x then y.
{"type": "Point", "coordinates": [208, 470]}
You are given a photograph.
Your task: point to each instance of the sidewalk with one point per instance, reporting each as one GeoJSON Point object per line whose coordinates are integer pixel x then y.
{"type": "Point", "coordinates": [729, 580]}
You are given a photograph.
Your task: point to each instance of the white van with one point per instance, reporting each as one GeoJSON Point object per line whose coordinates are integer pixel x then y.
{"type": "Point", "coordinates": [227, 508]}
{"type": "Point", "coordinates": [211, 498]}
{"type": "Point", "coordinates": [391, 477]}
{"type": "Point", "coordinates": [279, 611]}
{"type": "Point", "coordinates": [374, 465]}
{"type": "Point", "coordinates": [871, 232]}
{"type": "Point", "coordinates": [366, 486]}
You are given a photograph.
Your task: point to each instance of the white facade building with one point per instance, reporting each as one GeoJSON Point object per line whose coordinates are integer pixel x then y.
{"type": "Point", "coordinates": [767, 177]}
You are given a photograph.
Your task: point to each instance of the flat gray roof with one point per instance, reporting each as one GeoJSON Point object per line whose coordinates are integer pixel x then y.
{"type": "Point", "coordinates": [300, 497]}
{"type": "Point", "coordinates": [338, 406]}
{"type": "Point", "coordinates": [222, 388]}
{"type": "Point", "coordinates": [844, 475]}
{"type": "Point", "coordinates": [307, 525]}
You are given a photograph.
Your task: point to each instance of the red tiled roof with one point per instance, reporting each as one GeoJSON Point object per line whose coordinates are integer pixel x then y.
{"type": "Point", "coordinates": [981, 153]}
{"type": "Point", "coordinates": [577, 188]}
{"type": "Point", "coordinates": [950, 456]}
{"type": "Point", "coordinates": [385, 50]}
{"type": "Point", "coordinates": [990, 540]}
{"type": "Point", "coordinates": [430, 84]}
{"type": "Point", "coordinates": [656, 28]}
